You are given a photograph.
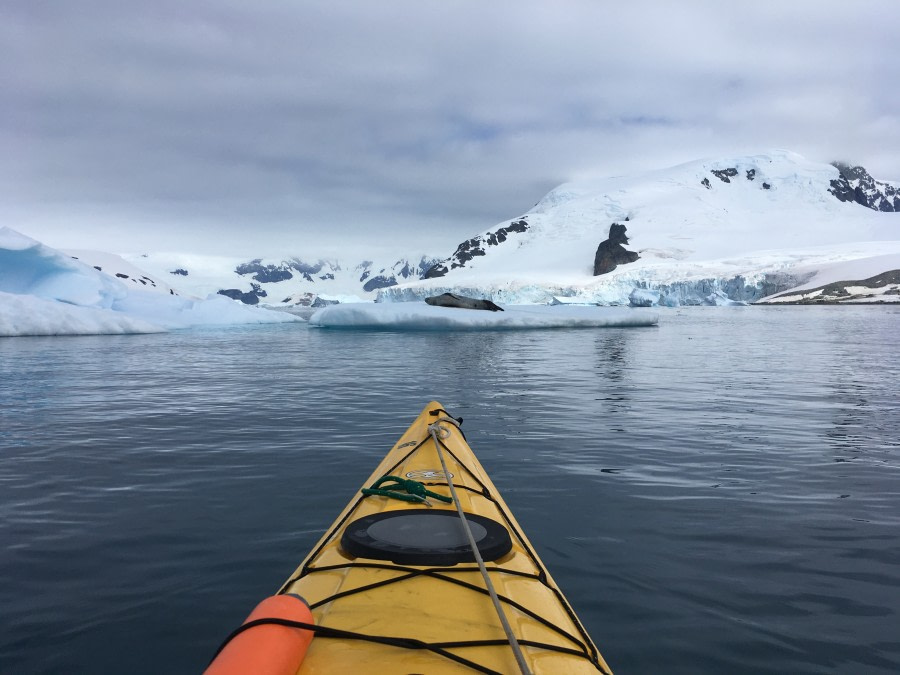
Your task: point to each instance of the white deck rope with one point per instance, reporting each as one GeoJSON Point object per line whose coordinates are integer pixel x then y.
{"type": "Point", "coordinates": [434, 430]}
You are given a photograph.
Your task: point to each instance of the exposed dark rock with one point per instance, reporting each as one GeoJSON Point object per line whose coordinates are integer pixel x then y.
{"type": "Point", "coordinates": [98, 268]}
{"type": "Point", "coordinates": [249, 298]}
{"type": "Point", "coordinates": [725, 175]}
{"type": "Point", "coordinates": [122, 276]}
{"type": "Point", "coordinates": [705, 183]}
{"type": "Point", "coordinates": [301, 300]}
{"type": "Point", "coordinates": [180, 271]}
{"type": "Point", "coordinates": [326, 277]}
{"type": "Point", "coordinates": [856, 185]}
{"type": "Point", "coordinates": [766, 186]}
{"type": "Point", "coordinates": [475, 247]}
{"type": "Point", "coordinates": [837, 291]}
{"type": "Point", "coordinates": [305, 268]}
{"type": "Point", "coordinates": [391, 276]}
{"type": "Point", "coordinates": [612, 253]}
{"type": "Point", "coordinates": [751, 174]}
{"type": "Point", "coordinates": [380, 281]}
{"type": "Point", "coordinates": [265, 273]}
{"type": "Point", "coordinates": [322, 302]}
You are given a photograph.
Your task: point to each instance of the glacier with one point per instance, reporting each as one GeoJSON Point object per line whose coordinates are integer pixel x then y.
{"type": "Point", "coordinates": [44, 291]}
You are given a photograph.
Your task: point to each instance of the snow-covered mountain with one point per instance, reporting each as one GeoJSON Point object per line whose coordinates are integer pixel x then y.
{"type": "Point", "coordinates": [290, 281]}
{"type": "Point", "coordinates": [737, 229]}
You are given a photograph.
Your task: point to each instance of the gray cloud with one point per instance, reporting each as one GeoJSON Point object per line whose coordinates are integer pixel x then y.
{"type": "Point", "coordinates": [230, 127]}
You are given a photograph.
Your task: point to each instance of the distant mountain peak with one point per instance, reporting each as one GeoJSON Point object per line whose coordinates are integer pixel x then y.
{"type": "Point", "coordinates": [476, 246]}
{"type": "Point", "coordinates": [855, 184]}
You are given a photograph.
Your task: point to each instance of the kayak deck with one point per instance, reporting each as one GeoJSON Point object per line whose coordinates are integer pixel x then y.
{"type": "Point", "coordinates": [439, 602]}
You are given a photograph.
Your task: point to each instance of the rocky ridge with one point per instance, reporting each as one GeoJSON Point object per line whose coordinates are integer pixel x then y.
{"type": "Point", "coordinates": [475, 247]}
{"type": "Point", "coordinates": [856, 185]}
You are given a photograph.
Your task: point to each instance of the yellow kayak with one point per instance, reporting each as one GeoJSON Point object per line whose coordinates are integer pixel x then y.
{"type": "Point", "coordinates": [395, 584]}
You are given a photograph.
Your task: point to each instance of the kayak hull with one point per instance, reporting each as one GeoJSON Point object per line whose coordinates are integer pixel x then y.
{"type": "Point", "coordinates": [438, 602]}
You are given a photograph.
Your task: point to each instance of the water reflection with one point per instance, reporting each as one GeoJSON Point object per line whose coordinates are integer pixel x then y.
{"type": "Point", "coordinates": [613, 356]}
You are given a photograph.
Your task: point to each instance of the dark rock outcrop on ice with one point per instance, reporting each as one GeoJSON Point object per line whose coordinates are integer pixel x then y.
{"type": "Point", "coordinates": [320, 273]}
{"type": "Point", "coordinates": [474, 247]}
{"type": "Point", "coordinates": [402, 271]}
{"type": "Point", "coordinates": [380, 281]}
{"type": "Point", "coordinates": [612, 252]}
{"type": "Point", "coordinates": [250, 297]}
{"type": "Point", "coordinates": [875, 290]}
{"type": "Point", "coordinates": [725, 175]}
{"type": "Point", "coordinates": [266, 274]}
{"type": "Point", "coordinates": [856, 185]}
{"type": "Point", "coordinates": [271, 274]}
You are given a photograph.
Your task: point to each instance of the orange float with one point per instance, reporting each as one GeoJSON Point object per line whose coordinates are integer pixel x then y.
{"type": "Point", "coordinates": [267, 648]}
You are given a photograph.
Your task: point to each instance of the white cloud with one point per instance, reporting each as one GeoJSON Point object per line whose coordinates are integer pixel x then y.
{"type": "Point", "coordinates": [304, 124]}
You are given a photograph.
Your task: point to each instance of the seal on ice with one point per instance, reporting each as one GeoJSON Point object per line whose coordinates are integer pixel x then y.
{"type": "Point", "coordinates": [450, 300]}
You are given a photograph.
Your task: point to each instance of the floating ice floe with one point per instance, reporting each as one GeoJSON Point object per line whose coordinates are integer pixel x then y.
{"type": "Point", "coordinates": [420, 316]}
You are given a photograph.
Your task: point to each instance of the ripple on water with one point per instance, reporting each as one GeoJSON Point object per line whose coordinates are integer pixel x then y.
{"type": "Point", "coordinates": [717, 494]}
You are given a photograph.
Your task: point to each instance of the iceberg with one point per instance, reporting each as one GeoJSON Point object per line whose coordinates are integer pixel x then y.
{"type": "Point", "coordinates": [43, 291]}
{"type": "Point", "coordinates": [31, 315]}
{"type": "Point", "coordinates": [421, 316]}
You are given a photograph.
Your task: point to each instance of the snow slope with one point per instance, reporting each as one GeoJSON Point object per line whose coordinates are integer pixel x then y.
{"type": "Point", "coordinates": [46, 292]}
{"type": "Point", "coordinates": [740, 228]}
{"type": "Point", "coordinates": [849, 281]}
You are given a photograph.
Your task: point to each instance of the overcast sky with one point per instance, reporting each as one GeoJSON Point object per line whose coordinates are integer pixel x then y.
{"type": "Point", "coordinates": [284, 126]}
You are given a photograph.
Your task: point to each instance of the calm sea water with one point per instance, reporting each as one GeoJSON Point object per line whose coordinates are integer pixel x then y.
{"type": "Point", "coordinates": [717, 494]}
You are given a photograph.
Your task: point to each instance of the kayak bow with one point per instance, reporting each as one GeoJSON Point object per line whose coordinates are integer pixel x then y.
{"type": "Point", "coordinates": [425, 571]}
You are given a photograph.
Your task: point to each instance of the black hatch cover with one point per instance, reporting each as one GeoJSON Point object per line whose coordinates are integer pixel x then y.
{"type": "Point", "coordinates": [424, 537]}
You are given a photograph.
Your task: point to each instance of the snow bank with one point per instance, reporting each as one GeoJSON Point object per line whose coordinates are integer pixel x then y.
{"type": "Point", "coordinates": [420, 316]}
{"type": "Point", "coordinates": [30, 315]}
{"type": "Point", "coordinates": [46, 292]}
